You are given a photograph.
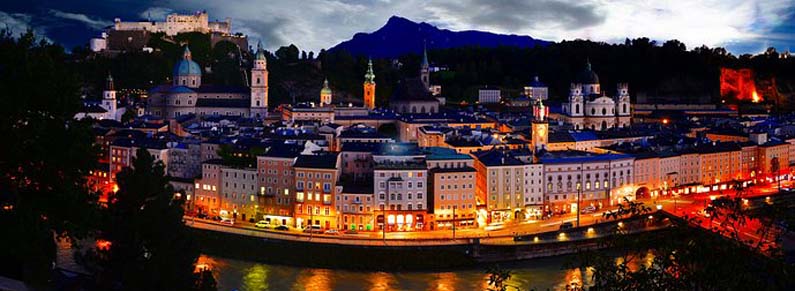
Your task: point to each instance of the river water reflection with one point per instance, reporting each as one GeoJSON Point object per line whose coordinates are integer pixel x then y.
{"type": "Point", "coordinates": [540, 274]}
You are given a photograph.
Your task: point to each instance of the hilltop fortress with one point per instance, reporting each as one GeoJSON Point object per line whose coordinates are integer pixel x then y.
{"type": "Point", "coordinates": [134, 35]}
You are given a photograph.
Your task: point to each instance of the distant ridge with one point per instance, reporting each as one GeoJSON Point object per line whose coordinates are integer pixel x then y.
{"type": "Point", "coordinates": [400, 36]}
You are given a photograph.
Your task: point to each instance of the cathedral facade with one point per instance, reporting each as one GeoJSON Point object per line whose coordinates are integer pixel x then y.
{"type": "Point", "coordinates": [187, 95]}
{"type": "Point", "coordinates": [589, 107]}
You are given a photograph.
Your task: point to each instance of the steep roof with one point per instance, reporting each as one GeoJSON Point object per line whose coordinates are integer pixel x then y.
{"type": "Point", "coordinates": [411, 90]}
{"type": "Point", "coordinates": [493, 158]}
{"type": "Point", "coordinates": [325, 160]}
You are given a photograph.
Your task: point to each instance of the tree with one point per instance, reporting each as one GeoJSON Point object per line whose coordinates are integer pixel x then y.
{"type": "Point", "coordinates": [689, 257]}
{"type": "Point", "coordinates": [149, 245]}
{"type": "Point", "coordinates": [45, 157]}
{"type": "Point", "coordinates": [288, 53]}
{"type": "Point", "coordinates": [128, 115]}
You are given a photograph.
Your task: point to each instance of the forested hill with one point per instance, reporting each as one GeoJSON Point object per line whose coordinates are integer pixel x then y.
{"type": "Point", "coordinates": [653, 69]}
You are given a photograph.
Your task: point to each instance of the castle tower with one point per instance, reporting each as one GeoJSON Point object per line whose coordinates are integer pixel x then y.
{"type": "Point", "coordinates": [187, 72]}
{"type": "Point", "coordinates": [259, 84]}
{"type": "Point", "coordinates": [540, 126]}
{"type": "Point", "coordinates": [109, 97]}
{"type": "Point", "coordinates": [425, 72]}
{"type": "Point", "coordinates": [622, 99]}
{"type": "Point", "coordinates": [369, 86]}
{"type": "Point", "coordinates": [325, 94]}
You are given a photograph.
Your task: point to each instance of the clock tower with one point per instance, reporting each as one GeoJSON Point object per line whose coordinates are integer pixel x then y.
{"type": "Point", "coordinates": [540, 126]}
{"type": "Point", "coordinates": [369, 86]}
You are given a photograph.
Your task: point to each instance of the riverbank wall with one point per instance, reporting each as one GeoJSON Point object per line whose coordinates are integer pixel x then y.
{"type": "Point", "coordinates": [397, 256]}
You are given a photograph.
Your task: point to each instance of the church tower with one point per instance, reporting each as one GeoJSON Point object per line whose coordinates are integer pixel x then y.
{"type": "Point", "coordinates": [576, 100]}
{"type": "Point", "coordinates": [622, 99]}
{"type": "Point", "coordinates": [325, 94]}
{"type": "Point", "coordinates": [259, 84]}
{"type": "Point", "coordinates": [109, 97]}
{"type": "Point", "coordinates": [425, 71]}
{"type": "Point", "coordinates": [369, 86]}
{"type": "Point", "coordinates": [540, 126]}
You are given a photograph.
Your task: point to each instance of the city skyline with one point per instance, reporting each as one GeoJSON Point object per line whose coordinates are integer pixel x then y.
{"type": "Point", "coordinates": [739, 26]}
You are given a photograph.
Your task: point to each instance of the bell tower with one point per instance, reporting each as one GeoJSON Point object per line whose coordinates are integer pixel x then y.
{"type": "Point", "coordinates": [325, 94]}
{"type": "Point", "coordinates": [540, 126]}
{"type": "Point", "coordinates": [425, 71]}
{"type": "Point", "coordinates": [259, 84]}
{"type": "Point", "coordinates": [109, 97]}
{"type": "Point", "coordinates": [369, 86]}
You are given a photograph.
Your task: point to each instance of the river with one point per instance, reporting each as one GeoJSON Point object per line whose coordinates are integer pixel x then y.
{"type": "Point", "coordinates": [539, 274]}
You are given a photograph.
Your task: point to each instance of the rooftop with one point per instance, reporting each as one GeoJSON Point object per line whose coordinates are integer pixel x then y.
{"type": "Point", "coordinates": [324, 160]}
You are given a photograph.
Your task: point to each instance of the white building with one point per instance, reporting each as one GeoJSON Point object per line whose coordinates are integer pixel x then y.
{"type": "Point", "coordinates": [589, 107]}
{"type": "Point", "coordinates": [595, 180]}
{"type": "Point", "coordinates": [489, 95]}
{"type": "Point", "coordinates": [400, 177]}
{"type": "Point", "coordinates": [178, 23]}
{"type": "Point", "coordinates": [107, 109]}
{"type": "Point", "coordinates": [536, 90]}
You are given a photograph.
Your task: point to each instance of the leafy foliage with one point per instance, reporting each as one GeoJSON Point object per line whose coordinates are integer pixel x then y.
{"type": "Point", "coordinates": [150, 245]}
{"type": "Point", "coordinates": [688, 257]}
{"type": "Point", "coordinates": [45, 157]}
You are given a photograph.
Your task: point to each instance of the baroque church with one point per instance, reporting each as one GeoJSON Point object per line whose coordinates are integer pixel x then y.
{"type": "Point", "coordinates": [589, 107]}
{"type": "Point", "coordinates": [413, 95]}
{"type": "Point", "coordinates": [187, 95]}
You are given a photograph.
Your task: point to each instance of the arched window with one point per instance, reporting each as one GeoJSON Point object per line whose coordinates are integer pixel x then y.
{"type": "Point", "coordinates": [422, 109]}
{"type": "Point", "coordinates": [413, 109]}
{"type": "Point", "coordinates": [624, 110]}
{"type": "Point", "coordinates": [604, 111]}
{"type": "Point", "coordinates": [593, 111]}
{"type": "Point", "coordinates": [577, 109]}
{"type": "Point", "coordinates": [604, 125]}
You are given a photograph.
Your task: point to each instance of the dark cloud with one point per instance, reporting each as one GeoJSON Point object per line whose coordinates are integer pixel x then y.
{"type": "Point", "coordinates": [269, 31]}
{"type": "Point", "coordinates": [317, 24]}
{"type": "Point", "coordinates": [519, 14]}
{"type": "Point", "coordinates": [94, 23]}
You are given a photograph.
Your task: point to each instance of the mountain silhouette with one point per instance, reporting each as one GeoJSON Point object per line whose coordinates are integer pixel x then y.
{"type": "Point", "coordinates": [400, 36]}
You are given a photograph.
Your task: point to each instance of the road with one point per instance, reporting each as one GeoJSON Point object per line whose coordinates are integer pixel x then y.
{"type": "Point", "coordinates": [683, 206]}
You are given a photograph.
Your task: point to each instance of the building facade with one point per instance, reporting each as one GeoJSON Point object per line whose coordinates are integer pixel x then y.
{"type": "Point", "coordinates": [589, 107]}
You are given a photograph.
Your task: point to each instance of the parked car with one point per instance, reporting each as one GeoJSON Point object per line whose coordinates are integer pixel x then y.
{"type": "Point", "coordinates": [566, 225]}
{"type": "Point", "coordinates": [351, 231]}
{"type": "Point", "coordinates": [332, 232]}
{"type": "Point", "coordinates": [313, 229]}
{"type": "Point", "coordinates": [263, 224]}
{"type": "Point", "coordinates": [202, 215]}
{"type": "Point", "coordinates": [588, 209]}
{"type": "Point", "coordinates": [282, 228]}
{"type": "Point", "coordinates": [495, 226]}
{"type": "Point", "coordinates": [229, 221]}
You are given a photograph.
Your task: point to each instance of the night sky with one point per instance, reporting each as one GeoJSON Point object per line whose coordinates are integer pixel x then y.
{"type": "Point", "coordinates": [742, 26]}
